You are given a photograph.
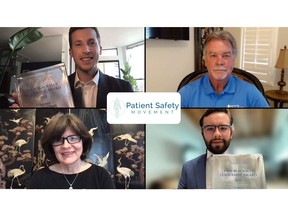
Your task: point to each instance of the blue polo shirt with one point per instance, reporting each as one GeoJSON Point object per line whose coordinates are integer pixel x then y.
{"type": "Point", "coordinates": [237, 94]}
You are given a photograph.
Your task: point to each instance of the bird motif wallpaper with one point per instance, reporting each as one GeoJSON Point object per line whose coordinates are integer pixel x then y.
{"type": "Point", "coordinates": [17, 131]}
{"type": "Point", "coordinates": [129, 155]}
{"type": "Point", "coordinates": [120, 149]}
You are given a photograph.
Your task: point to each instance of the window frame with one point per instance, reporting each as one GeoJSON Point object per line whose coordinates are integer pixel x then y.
{"type": "Point", "coordinates": [109, 61]}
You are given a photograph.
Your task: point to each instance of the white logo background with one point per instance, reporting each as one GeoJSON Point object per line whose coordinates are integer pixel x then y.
{"type": "Point", "coordinates": [143, 108]}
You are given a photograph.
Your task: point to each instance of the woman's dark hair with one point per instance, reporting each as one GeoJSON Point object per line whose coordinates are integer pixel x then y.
{"type": "Point", "coordinates": [215, 110]}
{"type": "Point", "coordinates": [73, 29]}
{"type": "Point", "coordinates": [55, 129]}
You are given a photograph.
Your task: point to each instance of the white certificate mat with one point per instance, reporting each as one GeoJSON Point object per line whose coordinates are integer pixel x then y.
{"type": "Point", "coordinates": [232, 171]}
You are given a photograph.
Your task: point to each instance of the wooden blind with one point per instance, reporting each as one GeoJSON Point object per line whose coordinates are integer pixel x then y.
{"type": "Point", "coordinates": [258, 52]}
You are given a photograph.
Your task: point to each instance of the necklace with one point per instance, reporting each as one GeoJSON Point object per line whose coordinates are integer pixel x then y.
{"type": "Point", "coordinates": [71, 184]}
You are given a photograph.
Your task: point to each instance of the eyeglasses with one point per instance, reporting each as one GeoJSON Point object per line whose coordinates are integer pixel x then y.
{"type": "Point", "coordinates": [72, 139]}
{"type": "Point", "coordinates": [210, 129]}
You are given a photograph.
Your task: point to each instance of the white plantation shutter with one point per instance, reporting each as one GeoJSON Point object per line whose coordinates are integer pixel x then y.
{"type": "Point", "coordinates": [258, 52]}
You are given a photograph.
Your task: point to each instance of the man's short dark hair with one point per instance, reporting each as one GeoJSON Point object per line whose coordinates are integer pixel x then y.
{"type": "Point", "coordinates": [215, 110]}
{"type": "Point", "coordinates": [73, 29]}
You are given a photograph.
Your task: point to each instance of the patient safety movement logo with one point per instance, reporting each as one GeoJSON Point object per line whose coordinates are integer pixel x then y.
{"type": "Point", "coordinates": [143, 108]}
{"type": "Point", "coordinates": [117, 108]}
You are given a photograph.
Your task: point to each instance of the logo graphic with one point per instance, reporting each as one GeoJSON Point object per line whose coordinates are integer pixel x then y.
{"type": "Point", "coordinates": [143, 108]}
{"type": "Point", "coordinates": [117, 108]}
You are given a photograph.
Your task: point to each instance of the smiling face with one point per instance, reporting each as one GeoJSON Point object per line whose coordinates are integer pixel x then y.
{"type": "Point", "coordinates": [85, 50]}
{"type": "Point", "coordinates": [217, 141]}
{"type": "Point", "coordinates": [219, 60]}
{"type": "Point", "coordinates": [68, 154]}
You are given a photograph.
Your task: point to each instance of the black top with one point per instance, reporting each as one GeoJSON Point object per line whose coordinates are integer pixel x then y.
{"type": "Point", "coordinates": [95, 177]}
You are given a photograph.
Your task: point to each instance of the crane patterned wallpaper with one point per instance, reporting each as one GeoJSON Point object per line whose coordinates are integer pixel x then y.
{"type": "Point", "coordinates": [120, 148]}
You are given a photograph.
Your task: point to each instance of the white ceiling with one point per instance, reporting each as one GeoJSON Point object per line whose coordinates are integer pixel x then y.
{"type": "Point", "coordinates": [50, 47]}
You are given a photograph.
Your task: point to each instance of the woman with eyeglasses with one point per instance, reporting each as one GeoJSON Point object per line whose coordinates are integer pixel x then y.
{"type": "Point", "coordinates": [66, 143]}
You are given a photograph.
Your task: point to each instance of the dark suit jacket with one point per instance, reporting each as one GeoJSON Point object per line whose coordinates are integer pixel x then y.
{"type": "Point", "coordinates": [106, 84]}
{"type": "Point", "coordinates": [193, 175]}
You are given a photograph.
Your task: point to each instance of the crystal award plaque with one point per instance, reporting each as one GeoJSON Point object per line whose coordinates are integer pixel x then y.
{"type": "Point", "coordinates": [46, 87]}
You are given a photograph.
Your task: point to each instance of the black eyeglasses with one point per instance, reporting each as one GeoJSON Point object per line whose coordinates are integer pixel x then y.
{"type": "Point", "coordinates": [72, 139]}
{"type": "Point", "coordinates": [210, 129]}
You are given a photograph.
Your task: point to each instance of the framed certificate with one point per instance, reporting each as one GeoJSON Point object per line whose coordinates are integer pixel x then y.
{"type": "Point", "coordinates": [232, 171]}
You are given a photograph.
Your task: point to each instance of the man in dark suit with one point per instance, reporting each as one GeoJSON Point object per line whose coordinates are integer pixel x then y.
{"type": "Point", "coordinates": [217, 130]}
{"type": "Point", "coordinates": [88, 84]}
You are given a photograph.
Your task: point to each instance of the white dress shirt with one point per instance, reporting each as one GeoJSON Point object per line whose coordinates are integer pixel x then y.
{"type": "Point", "coordinates": [89, 90]}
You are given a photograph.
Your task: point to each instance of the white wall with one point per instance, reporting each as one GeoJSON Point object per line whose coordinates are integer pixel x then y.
{"type": "Point", "coordinates": [165, 148]}
{"type": "Point", "coordinates": [65, 56]}
{"type": "Point", "coordinates": [282, 41]}
{"type": "Point", "coordinates": [167, 62]}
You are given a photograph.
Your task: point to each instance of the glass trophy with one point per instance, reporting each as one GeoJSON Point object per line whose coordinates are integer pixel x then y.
{"type": "Point", "coordinates": [46, 87]}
